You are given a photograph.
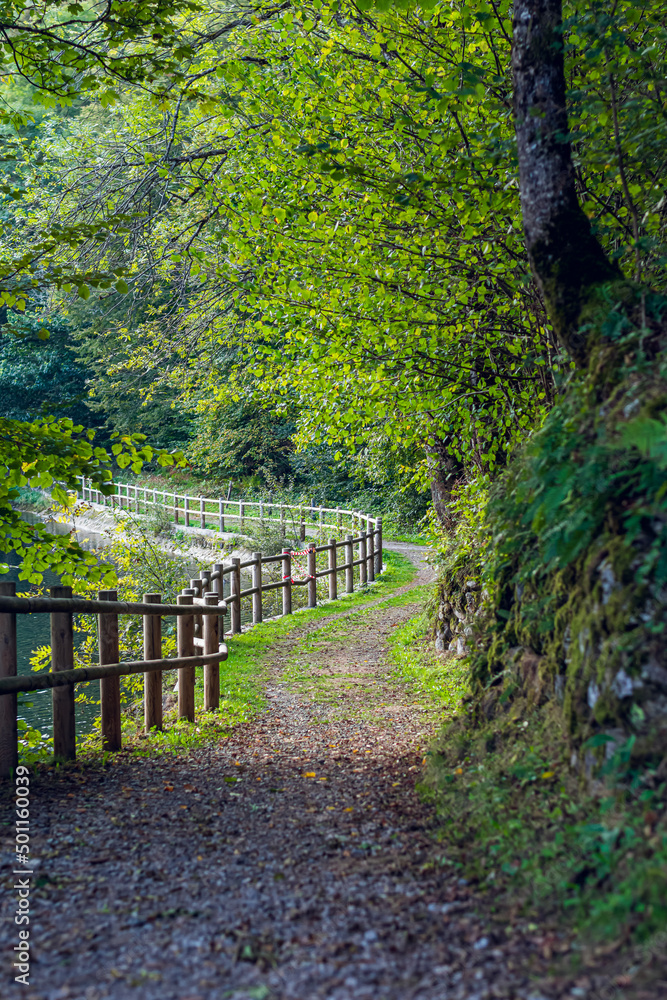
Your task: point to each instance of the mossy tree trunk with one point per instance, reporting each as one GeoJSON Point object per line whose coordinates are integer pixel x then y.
{"type": "Point", "coordinates": [446, 470]}
{"type": "Point", "coordinates": [566, 258]}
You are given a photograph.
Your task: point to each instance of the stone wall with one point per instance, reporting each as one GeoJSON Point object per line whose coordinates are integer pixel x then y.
{"type": "Point", "coordinates": [459, 619]}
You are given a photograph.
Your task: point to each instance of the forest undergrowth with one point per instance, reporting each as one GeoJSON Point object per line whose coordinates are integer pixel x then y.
{"type": "Point", "coordinates": [583, 861]}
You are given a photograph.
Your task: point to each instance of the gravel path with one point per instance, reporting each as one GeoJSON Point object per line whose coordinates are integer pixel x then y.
{"type": "Point", "coordinates": [294, 859]}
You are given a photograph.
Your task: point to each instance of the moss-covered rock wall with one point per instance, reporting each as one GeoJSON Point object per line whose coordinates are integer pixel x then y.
{"type": "Point", "coordinates": [566, 596]}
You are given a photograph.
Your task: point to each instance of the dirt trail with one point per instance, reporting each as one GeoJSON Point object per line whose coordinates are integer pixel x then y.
{"type": "Point", "coordinates": [292, 860]}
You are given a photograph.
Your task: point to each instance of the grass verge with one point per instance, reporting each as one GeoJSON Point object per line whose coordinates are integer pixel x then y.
{"type": "Point", "coordinates": [436, 682]}
{"type": "Point", "coordinates": [412, 538]}
{"type": "Point", "coordinates": [518, 821]}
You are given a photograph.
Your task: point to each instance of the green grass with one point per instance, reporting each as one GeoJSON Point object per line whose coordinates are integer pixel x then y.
{"type": "Point", "coordinates": [418, 666]}
{"type": "Point", "coordinates": [406, 536]}
{"type": "Point", "coordinates": [436, 682]}
{"type": "Point", "coordinates": [517, 820]}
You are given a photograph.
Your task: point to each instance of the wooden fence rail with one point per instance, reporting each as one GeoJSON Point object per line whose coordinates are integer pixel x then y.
{"type": "Point", "coordinates": [199, 610]}
{"type": "Point", "coordinates": [215, 512]}
{"type": "Point", "coordinates": [62, 677]}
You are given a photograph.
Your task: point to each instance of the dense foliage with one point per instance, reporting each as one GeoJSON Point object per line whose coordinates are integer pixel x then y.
{"type": "Point", "coordinates": [332, 194]}
{"type": "Point", "coordinates": [304, 226]}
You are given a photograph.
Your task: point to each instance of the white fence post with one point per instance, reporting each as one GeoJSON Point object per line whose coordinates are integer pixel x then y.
{"type": "Point", "coordinates": [257, 586]}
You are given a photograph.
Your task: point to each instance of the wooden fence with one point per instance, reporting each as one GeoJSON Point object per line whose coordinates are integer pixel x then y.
{"type": "Point", "coordinates": [200, 629]}
{"type": "Point", "coordinates": [218, 514]}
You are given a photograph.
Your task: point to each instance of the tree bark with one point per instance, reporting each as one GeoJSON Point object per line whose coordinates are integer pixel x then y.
{"type": "Point", "coordinates": [445, 470]}
{"type": "Point", "coordinates": [566, 258]}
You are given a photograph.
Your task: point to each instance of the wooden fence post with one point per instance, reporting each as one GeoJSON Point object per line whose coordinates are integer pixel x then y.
{"type": "Point", "coordinates": [186, 511]}
{"type": "Point", "coordinates": [221, 515]}
{"type": "Point", "coordinates": [287, 582]}
{"type": "Point", "coordinates": [302, 528]}
{"type": "Point", "coordinates": [241, 514]}
{"type": "Point", "coordinates": [175, 509]}
{"type": "Point", "coordinates": [8, 727]}
{"type": "Point", "coordinates": [333, 574]}
{"type": "Point", "coordinates": [202, 512]}
{"type": "Point", "coordinates": [62, 658]}
{"type": "Point", "coordinates": [362, 556]}
{"type": "Point", "coordinates": [371, 553]}
{"type": "Point", "coordinates": [257, 582]}
{"type": "Point", "coordinates": [312, 580]}
{"type": "Point", "coordinates": [185, 630]}
{"type": "Point", "coordinates": [205, 577]}
{"type": "Point", "coordinates": [235, 590]}
{"type": "Point", "coordinates": [349, 559]}
{"type": "Point", "coordinates": [211, 670]}
{"type": "Point", "coordinates": [107, 637]}
{"type": "Point", "coordinates": [217, 585]}
{"type": "Point", "coordinates": [153, 680]}
{"type": "Point", "coordinates": [378, 546]}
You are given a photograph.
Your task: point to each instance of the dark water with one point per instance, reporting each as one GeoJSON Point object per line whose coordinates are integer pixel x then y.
{"type": "Point", "coordinates": [34, 631]}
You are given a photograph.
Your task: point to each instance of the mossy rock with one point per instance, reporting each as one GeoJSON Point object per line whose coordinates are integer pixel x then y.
{"type": "Point", "coordinates": [575, 559]}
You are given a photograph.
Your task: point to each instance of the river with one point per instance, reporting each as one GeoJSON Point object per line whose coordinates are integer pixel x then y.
{"type": "Point", "coordinates": [34, 631]}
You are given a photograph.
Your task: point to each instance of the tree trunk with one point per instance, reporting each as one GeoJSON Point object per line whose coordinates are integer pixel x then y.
{"type": "Point", "coordinates": [445, 471]}
{"type": "Point", "coordinates": [566, 258]}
